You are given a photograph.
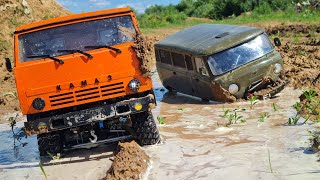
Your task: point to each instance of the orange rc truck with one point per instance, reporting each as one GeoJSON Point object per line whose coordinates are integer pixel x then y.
{"type": "Point", "coordinates": [79, 81]}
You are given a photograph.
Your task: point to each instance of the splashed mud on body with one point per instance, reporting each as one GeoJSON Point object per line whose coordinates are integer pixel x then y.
{"type": "Point", "coordinates": [143, 46]}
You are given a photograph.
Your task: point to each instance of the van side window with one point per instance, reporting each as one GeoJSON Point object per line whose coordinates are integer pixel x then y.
{"type": "Point", "coordinates": [157, 55]}
{"type": "Point", "coordinates": [201, 68]}
{"type": "Point", "coordinates": [165, 57]}
{"type": "Point", "coordinates": [188, 62]}
{"type": "Point", "coordinates": [178, 60]}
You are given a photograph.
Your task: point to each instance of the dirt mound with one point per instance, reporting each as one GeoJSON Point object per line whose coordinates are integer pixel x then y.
{"type": "Point", "coordinates": [15, 13]}
{"type": "Point", "coordinates": [301, 53]}
{"type": "Point", "coordinates": [283, 30]}
{"type": "Point", "coordinates": [130, 162]}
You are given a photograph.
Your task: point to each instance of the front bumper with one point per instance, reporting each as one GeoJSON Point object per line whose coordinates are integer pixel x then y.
{"type": "Point", "coordinates": [271, 91]}
{"type": "Point", "coordinates": [90, 115]}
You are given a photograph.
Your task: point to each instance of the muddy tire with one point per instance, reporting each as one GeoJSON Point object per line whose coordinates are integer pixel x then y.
{"type": "Point", "coordinates": [145, 128]}
{"type": "Point", "coordinates": [170, 89]}
{"type": "Point", "coordinates": [49, 143]}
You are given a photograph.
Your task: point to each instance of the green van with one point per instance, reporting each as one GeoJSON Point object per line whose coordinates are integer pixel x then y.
{"type": "Point", "coordinates": [219, 62]}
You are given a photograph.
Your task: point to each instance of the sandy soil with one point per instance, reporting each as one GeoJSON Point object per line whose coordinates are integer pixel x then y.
{"type": "Point", "coordinates": [13, 15]}
{"type": "Point", "coordinates": [301, 53]}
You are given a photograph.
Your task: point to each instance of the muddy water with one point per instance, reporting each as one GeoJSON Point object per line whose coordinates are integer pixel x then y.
{"type": "Point", "coordinates": [197, 145]}
{"type": "Point", "coordinates": [18, 162]}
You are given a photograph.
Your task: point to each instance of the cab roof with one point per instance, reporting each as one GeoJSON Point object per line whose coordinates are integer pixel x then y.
{"type": "Point", "coordinates": [65, 19]}
{"type": "Point", "coordinates": [207, 39]}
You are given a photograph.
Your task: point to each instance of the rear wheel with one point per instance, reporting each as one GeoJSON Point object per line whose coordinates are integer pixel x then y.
{"type": "Point", "coordinates": [49, 144]}
{"type": "Point", "coordinates": [145, 128]}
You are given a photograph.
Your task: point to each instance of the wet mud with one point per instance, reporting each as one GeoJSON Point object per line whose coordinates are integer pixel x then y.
{"type": "Point", "coordinates": [130, 162]}
{"type": "Point", "coordinates": [145, 53]}
{"type": "Point", "coordinates": [144, 49]}
{"type": "Point", "coordinates": [222, 95]}
{"type": "Point", "coordinates": [301, 53]}
{"type": "Point", "coordinates": [198, 145]}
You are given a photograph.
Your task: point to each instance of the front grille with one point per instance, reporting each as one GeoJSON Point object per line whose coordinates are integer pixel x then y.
{"type": "Point", "coordinates": [112, 89]}
{"type": "Point", "coordinates": [61, 99]}
{"type": "Point", "coordinates": [87, 94]}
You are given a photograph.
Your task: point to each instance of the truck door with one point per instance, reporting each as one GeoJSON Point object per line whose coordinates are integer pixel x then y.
{"type": "Point", "coordinates": [201, 80]}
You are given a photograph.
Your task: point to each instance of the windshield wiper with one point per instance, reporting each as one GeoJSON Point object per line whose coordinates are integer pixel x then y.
{"type": "Point", "coordinates": [104, 46]}
{"type": "Point", "coordinates": [47, 56]}
{"type": "Point", "coordinates": [76, 51]}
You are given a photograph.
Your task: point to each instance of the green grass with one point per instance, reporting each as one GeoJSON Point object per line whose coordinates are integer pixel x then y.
{"type": "Point", "coordinates": [188, 23]}
{"type": "Point", "coordinates": [288, 16]}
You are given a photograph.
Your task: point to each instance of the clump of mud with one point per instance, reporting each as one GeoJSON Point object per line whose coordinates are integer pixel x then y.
{"type": "Point", "coordinates": [222, 95]}
{"type": "Point", "coordinates": [145, 52]}
{"type": "Point", "coordinates": [143, 47]}
{"type": "Point", "coordinates": [130, 162]}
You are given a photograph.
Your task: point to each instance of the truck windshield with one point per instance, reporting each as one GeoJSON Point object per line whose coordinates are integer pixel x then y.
{"type": "Point", "coordinates": [232, 58]}
{"type": "Point", "coordinates": [51, 42]}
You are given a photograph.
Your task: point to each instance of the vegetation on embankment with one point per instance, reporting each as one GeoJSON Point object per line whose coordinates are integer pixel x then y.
{"type": "Point", "coordinates": [192, 12]}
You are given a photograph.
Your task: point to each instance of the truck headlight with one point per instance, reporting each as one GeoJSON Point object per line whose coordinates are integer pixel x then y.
{"type": "Point", "coordinates": [233, 88]}
{"type": "Point", "coordinates": [134, 85]}
{"type": "Point", "coordinates": [38, 104]}
{"type": "Point", "coordinates": [277, 68]}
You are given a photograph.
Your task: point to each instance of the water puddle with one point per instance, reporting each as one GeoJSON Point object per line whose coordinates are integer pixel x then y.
{"type": "Point", "coordinates": [13, 151]}
{"type": "Point", "coordinates": [20, 160]}
{"type": "Point", "coordinates": [198, 145]}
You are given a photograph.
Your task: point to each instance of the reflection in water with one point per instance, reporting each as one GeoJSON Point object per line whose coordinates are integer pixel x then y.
{"type": "Point", "coordinates": [13, 151]}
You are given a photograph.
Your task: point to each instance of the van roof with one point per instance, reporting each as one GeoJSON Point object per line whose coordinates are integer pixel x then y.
{"type": "Point", "coordinates": [74, 17]}
{"type": "Point", "coordinates": [207, 39]}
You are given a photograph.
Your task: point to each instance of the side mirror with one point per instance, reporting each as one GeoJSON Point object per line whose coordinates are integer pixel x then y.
{"type": "Point", "coordinates": [8, 65]}
{"type": "Point", "coordinates": [277, 41]}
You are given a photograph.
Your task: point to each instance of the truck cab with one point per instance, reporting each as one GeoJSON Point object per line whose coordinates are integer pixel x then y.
{"type": "Point", "coordinates": [79, 81]}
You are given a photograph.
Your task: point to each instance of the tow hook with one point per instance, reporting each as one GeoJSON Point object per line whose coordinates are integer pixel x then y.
{"type": "Point", "coordinates": [95, 137]}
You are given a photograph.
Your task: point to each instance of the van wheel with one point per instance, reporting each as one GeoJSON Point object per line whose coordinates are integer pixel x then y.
{"type": "Point", "coordinates": [145, 128]}
{"type": "Point", "coordinates": [170, 89]}
{"type": "Point", "coordinates": [49, 144]}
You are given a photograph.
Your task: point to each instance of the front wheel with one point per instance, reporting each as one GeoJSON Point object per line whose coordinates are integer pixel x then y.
{"type": "Point", "coordinates": [145, 128]}
{"type": "Point", "coordinates": [49, 144]}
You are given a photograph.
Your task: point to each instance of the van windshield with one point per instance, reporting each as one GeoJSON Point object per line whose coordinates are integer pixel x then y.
{"type": "Point", "coordinates": [232, 58]}
{"type": "Point", "coordinates": [111, 31]}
